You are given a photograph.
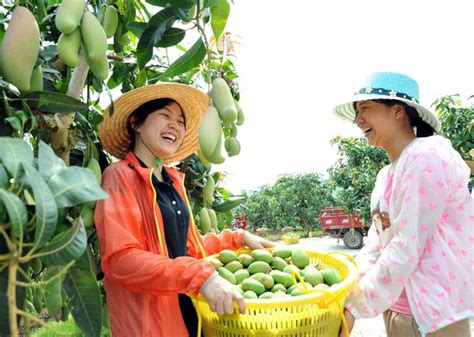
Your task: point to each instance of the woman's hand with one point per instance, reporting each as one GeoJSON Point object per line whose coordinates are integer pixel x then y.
{"type": "Point", "coordinates": [350, 320]}
{"type": "Point", "coordinates": [255, 242]}
{"type": "Point", "coordinates": [221, 294]}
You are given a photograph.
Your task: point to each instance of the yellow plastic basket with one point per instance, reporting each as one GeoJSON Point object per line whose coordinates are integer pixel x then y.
{"type": "Point", "coordinates": [315, 314]}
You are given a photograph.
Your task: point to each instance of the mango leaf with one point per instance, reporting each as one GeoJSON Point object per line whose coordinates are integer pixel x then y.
{"type": "Point", "coordinates": [13, 152]}
{"type": "Point", "coordinates": [220, 10]}
{"type": "Point", "coordinates": [3, 176]}
{"type": "Point", "coordinates": [47, 101]}
{"type": "Point", "coordinates": [157, 25]}
{"type": "Point", "coordinates": [46, 208]}
{"type": "Point", "coordinates": [48, 163]}
{"type": "Point", "coordinates": [171, 37]}
{"type": "Point", "coordinates": [192, 58]}
{"type": "Point", "coordinates": [84, 294]}
{"type": "Point", "coordinates": [136, 28]}
{"type": "Point", "coordinates": [52, 290]}
{"type": "Point", "coordinates": [16, 209]}
{"type": "Point", "coordinates": [66, 246]}
{"type": "Point", "coordinates": [74, 186]}
{"type": "Point", "coordinates": [228, 205]}
{"type": "Point", "coordinates": [174, 3]}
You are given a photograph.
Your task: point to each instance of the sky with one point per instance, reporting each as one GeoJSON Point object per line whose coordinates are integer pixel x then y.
{"type": "Point", "coordinates": [300, 58]}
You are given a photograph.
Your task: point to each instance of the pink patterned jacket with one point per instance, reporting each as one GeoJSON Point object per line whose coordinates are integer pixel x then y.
{"type": "Point", "coordinates": [421, 238]}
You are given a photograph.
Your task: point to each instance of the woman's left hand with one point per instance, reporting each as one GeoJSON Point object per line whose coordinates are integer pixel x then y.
{"type": "Point", "coordinates": [255, 242]}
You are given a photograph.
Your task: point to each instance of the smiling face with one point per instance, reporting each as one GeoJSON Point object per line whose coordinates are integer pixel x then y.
{"type": "Point", "coordinates": [378, 122]}
{"type": "Point", "coordinates": [162, 132]}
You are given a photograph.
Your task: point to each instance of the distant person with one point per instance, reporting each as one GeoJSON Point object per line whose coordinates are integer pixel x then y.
{"type": "Point", "coordinates": [150, 247]}
{"type": "Point", "coordinates": [417, 265]}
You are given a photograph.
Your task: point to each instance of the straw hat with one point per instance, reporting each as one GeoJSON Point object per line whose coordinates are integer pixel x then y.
{"type": "Point", "coordinates": [388, 85]}
{"type": "Point", "coordinates": [114, 133]}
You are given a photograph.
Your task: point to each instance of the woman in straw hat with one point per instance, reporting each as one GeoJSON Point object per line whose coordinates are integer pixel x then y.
{"type": "Point", "coordinates": [416, 266]}
{"type": "Point", "coordinates": [151, 249]}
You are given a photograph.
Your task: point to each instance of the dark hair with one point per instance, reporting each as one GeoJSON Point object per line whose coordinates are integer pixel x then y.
{"type": "Point", "coordinates": [423, 129]}
{"type": "Point", "coordinates": [139, 115]}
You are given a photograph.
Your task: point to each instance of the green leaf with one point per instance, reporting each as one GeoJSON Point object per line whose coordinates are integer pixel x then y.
{"type": "Point", "coordinates": [157, 25]}
{"type": "Point", "coordinates": [46, 208]}
{"type": "Point", "coordinates": [48, 163]}
{"type": "Point", "coordinates": [228, 205]}
{"type": "Point", "coordinates": [84, 294]}
{"type": "Point", "coordinates": [52, 290]}
{"type": "Point", "coordinates": [192, 58]}
{"type": "Point", "coordinates": [66, 246]}
{"type": "Point", "coordinates": [14, 122]}
{"type": "Point", "coordinates": [171, 37]}
{"type": "Point", "coordinates": [14, 151]}
{"type": "Point", "coordinates": [74, 186]}
{"type": "Point", "coordinates": [174, 3]}
{"type": "Point", "coordinates": [3, 176]}
{"type": "Point", "coordinates": [136, 28]}
{"type": "Point", "coordinates": [47, 101]}
{"type": "Point", "coordinates": [17, 213]}
{"type": "Point", "coordinates": [220, 10]}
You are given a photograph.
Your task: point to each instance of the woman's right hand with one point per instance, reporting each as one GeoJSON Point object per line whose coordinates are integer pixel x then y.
{"type": "Point", "coordinates": [221, 294]}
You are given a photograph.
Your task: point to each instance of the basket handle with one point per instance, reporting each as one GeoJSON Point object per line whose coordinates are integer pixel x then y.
{"type": "Point", "coordinates": [348, 256]}
{"type": "Point", "coordinates": [305, 289]}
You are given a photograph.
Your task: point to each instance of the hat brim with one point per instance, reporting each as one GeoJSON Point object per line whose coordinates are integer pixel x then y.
{"type": "Point", "coordinates": [114, 131]}
{"type": "Point", "coordinates": [347, 111]}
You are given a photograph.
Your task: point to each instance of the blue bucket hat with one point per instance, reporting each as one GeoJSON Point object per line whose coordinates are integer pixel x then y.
{"type": "Point", "coordinates": [389, 85]}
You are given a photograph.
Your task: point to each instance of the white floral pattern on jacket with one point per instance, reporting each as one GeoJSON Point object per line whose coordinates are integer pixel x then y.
{"type": "Point", "coordinates": [428, 247]}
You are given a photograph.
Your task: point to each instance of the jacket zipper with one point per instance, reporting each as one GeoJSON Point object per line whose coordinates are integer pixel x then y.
{"type": "Point", "coordinates": [193, 229]}
{"type": "Point", "coordinates": [157, 225]}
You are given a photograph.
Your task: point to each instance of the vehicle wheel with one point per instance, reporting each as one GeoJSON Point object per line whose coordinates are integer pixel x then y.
{"type": "Point", "coordinates": [353, 239]}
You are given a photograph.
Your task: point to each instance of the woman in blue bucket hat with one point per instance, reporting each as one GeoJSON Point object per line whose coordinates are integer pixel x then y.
{"type": "Point", "coordinates": [416, 267]}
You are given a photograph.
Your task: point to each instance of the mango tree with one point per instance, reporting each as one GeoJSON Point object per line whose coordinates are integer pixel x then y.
{"type": "Point", "coordinates": [61, 63]}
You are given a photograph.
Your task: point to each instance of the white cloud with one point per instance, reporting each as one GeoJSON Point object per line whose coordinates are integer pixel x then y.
{"type": "Point", "coordinates": [300, 58]}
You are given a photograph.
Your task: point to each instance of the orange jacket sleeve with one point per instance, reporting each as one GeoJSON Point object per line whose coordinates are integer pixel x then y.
{"type": "Point", "coordinates": [227, 239]}
{"type": "Point", "coordinates": [126, 258]}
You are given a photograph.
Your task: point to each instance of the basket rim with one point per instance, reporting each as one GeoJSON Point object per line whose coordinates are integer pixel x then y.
{"type": "Point", "coordinates": [338, 290]}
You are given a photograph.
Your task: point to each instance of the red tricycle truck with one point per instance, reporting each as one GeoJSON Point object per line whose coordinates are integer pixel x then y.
{"type": "Point", "coordinates": [338, 222]}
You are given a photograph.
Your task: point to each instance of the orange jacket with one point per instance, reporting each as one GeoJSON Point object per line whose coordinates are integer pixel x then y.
{"type": "Point", "coordinates": [142, 283]}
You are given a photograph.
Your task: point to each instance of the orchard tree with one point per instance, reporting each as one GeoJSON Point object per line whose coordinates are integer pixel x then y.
{"type": "Point", "coordinates": [352, 176]}
{"type": "Point", "coordinates": [62, 62]}
{"type": "Point", "coordinates": [293, 201]}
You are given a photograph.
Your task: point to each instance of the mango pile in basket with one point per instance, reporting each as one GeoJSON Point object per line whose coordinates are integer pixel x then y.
{"type": "Point", "coordinates": [291, 238]}
{"type": "Point", "coordinates": [264, 274]}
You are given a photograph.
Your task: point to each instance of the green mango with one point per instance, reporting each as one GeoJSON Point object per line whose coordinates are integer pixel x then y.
{"type": "Point", "coordinates": [94, 38]}
{"type": "Point", "coordinates": [223, 100]}
{"type": "Point", "coordinates": [253, 285]}
{"type": "Point", "coordinates": [259, 267]}
{"type": "Point", "coordinates": [282, 252]}
{"type": "Point", "coordinates": [110, 21]}
{"type": "Point", "coordinates": [233, 266]}
{"type": "Point", "coordinates": [69, 15]}
{"type": "Point", "coordinates": [262, 255]}
{"type": "Point", "coordinates": [331, 276]}
{"type": "Point", "coordinates": [36, 81]}
{"type": "Point", "coordinates": [226, 256]}
{"type": "Point", "coordinates": [20, 48]}
{"type": "Point", "coordinates": [205, 221]}
{"type": "Point", "coordinates": [299, 258]}
{"type": "Point", "coordinates": [225, 273]}
{"type": "Point", "coordinates": [69, 46]}
{"type": "Point", "coordinates": [210, 132]}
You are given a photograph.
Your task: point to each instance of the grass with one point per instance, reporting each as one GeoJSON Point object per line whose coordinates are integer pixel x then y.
{"type": "Point", "coordinates": [68, 327]}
